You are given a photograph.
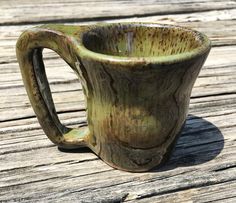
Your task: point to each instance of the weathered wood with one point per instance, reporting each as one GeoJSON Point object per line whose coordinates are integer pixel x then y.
{"type": "Point", "coordinates": [190, 19]}
{"type": "Point", "coordinates": [203, 166]}
{"type": "Point", "coordinates": [195, 152]}
{"type": "Point", "coordinates": [26, 12]}
{"type": "Point", "coordinates": [222, 31]}
{"type": "Point", "coordinates": [74, 183]}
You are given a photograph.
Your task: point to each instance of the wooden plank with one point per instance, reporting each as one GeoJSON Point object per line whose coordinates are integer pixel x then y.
{"type": "Point", "coordinates": [47, 179]}
{"type": "Point", "coordinates": [213, 193]}
{"type": "Point", "coordinates": [27, 12]}
{"type": "Point", "coordinates": [202, 168]}
{"type": "Point", "coordinates": [218, 77]}
{"type": "Point", "coordinates": [67, 174]}
{"type": "Point", "coordinates": [214, 115]}
{"type": "Point", "coordinates": [49, 174]}
{"type": "Point", "coordinates": [221, 31]}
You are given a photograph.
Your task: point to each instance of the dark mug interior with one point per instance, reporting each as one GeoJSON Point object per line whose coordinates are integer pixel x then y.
{"type": "Point", "coordinates": [141, 40]}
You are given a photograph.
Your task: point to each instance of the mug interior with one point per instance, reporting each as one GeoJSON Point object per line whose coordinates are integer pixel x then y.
{"type": "Point", "coordinates": [137, 40]}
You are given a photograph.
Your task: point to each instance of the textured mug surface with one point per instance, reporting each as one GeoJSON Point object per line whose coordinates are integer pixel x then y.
{"type": "Point", "coordinates": [137, 80]}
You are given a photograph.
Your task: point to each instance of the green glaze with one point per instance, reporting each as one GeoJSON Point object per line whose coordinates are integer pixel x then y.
{"type": "Point", "coordinates": [137, 80]}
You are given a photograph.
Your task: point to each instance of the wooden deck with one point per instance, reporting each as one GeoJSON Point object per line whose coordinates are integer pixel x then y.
{"type": "Point", "coordinates": [203, 166]}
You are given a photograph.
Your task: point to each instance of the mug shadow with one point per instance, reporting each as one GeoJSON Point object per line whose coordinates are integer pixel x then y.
{"type": "Point", "coordinates": [199, 142]}
{"type": "Point", "coordinates": [76, 150]}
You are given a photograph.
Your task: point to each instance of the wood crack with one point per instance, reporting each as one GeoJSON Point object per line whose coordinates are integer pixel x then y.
{"type": "Point", "coordinates": [25, 150]}
{"type": "Point", "coordinates": [213, 95]}
{"type": "Point", "coordinates": [224, 198]}
{"type": "Point", "coordinates": [69, 162]}
{"type": "Point", "coordinates": [31, 182]}
{"type": "Point", "coordinates": [183, 188]}
{"type": "Point", "coordinates": [29, 117]}
{"type": "Point", "coordinates": [229, 166]}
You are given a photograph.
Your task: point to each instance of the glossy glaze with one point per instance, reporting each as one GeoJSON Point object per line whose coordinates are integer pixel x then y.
{"type": "Point", "coordinates": [137, 80]}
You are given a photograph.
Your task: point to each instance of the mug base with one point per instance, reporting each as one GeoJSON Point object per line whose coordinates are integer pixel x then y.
{"type": "Point", "coordinates": [131, 161]}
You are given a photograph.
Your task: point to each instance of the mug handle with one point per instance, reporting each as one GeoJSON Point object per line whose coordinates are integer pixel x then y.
{"type": "Point", "coordinates": [29, 54]}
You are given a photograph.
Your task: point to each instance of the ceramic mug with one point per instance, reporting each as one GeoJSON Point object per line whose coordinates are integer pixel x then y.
{"type": "Point", "coordinates": [137, 80]}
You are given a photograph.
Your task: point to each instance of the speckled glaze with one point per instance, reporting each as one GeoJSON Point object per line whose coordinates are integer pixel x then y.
{"type": "Point", "coordinates": [137, 80]}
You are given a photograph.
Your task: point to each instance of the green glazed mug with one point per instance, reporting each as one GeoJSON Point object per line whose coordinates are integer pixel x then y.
{"type": "Point", "coordinates": [137, 80]}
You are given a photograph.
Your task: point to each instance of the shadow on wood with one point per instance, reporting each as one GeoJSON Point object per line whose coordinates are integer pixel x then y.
{"type": "Point", "coordinates": [199, 142]}
{"type": "Point", "coordinates": [193, 147]}
{"type": "Point", "coordinates": [77, 150]}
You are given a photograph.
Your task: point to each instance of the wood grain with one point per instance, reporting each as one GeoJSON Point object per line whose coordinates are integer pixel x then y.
{"type": "Point", "coordinates": [28, 12]}
{"type": "Point", "coordinates": [203, 166]}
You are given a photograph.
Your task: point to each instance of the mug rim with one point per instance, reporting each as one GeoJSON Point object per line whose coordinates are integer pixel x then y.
{"type": "Point", "coordinates": [167, 59]}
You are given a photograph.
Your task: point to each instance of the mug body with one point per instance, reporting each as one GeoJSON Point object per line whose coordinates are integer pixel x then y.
{"type": "Point", "coordinates": [137, 80]}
